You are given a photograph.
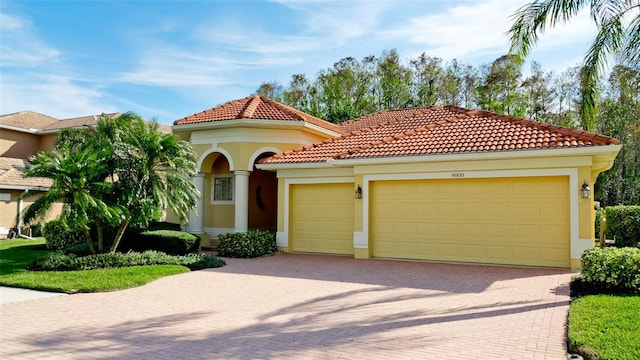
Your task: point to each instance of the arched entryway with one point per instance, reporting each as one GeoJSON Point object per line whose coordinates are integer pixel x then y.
{"type": "Point", "coordinates": [263, 197]}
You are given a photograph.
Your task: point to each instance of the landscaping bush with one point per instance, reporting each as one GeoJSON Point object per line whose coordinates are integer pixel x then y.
{"type": "Point", "coordinates": [59, 261]}
{"type": "Point", "coordinates": [612, 267]}
{"type": "Point", "coordinates": [250, 244]}
{"type": "Point", "coordinates": [163, 225]}
{"type": "Point", "coordinates": [167, 241]}
{"type": "Point", "coordinates": [623, 222]}
{"type": "Point", "coordinates": [58, 237]}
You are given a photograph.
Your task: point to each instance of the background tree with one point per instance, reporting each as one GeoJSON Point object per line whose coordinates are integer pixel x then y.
{"type": "Point", "coordinates": [539, 95]}
{"type": "Point", "coordinates": [498, 91]}
{"type": "Point", "coordinates": [619, 117]}
{"type": "Point", "coordinates": [618, 23]}
{"type": "Point", "coordinates": [393, 88]}
{"type": "Point", "coordinates": [427, 79]}
{"type": "Point", "coordinates": [271, 89]}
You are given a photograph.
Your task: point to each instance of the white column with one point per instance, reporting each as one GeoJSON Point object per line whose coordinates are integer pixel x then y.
{"type": "Point", "coordinates": [196, 218]}
{"type": "Point", "coordinates": [241, 200]}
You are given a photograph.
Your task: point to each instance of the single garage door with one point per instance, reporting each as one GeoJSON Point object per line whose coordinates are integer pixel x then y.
{"type": "Point", "coordinates": [521, 221]}
{"type": "Point", "coordinates": [322, 218]}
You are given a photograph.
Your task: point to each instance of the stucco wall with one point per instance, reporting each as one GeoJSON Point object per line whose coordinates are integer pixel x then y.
{"type": "Point", "coordinates": [17, 144]}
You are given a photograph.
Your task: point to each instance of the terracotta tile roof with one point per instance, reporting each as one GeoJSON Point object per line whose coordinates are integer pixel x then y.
{"type": "Point", "coordinates": [27, 120]}
{"type": "Point", "coordinates": [256, 107]}
{"type": "Point", "coordinates": [11, 171]}
{"type": "Point", "coordinates": [379, 118]}
{"type": "Point", "coordinates": [440, 130]}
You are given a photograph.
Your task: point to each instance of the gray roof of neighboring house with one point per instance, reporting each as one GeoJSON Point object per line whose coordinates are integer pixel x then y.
{"type": "Point", "coordinates": [11, 175]}
{"type": "Point", "coordinates": [33, 122]}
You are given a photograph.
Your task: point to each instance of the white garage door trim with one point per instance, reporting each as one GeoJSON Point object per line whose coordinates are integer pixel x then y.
{"type": "Point", "coordinates": [282, 237]}
{"type": "Point", "coordinates": [361, 239]}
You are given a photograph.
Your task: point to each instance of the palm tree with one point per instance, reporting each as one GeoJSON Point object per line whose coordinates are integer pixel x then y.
{"type": "Point", "coordinates": [153, 172]}
{"type": "Point", "coordinates": [76, 183]}
{"type": "Point", "coordinates": [618, 23]}
{"type": "Point", "coordinates": [123, 171]}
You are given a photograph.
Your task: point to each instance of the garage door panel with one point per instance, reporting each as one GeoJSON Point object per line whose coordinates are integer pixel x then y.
{"type": "Point", "coordinates": [507, 221]}
{"type": "Point", "coordinates": [473, 210]}
{"type": "Point", "coordinates": [474, 251]}
{"type": "Point", "coordinates": [450, 229]}
{"type": "Point", "coordinates": [447, 209]}
{"type": "Point", "coordinates": [497, 190]}
{"type": "Point", "coordinates": [321, 218]}
{"type": "Point", "coordinates": [553, 211]}
{"type": "Point", "coordinates": [474, 229]}
{"type": "Point", "coordinates": [525, 209]}
{"type": "Point", "coordinates": [557, 255]}
{"type": "Point", "coordinates": [498, 209]}
{"type": "Point", "coordinates": [451, 250]}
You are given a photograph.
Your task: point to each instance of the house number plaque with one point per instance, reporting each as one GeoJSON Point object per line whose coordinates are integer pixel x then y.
{"type": "Point", "coordinates": [457, 175]}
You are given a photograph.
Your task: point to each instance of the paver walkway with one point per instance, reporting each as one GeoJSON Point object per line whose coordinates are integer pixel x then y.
{"type": "Point", "coordinates": [292, 306]}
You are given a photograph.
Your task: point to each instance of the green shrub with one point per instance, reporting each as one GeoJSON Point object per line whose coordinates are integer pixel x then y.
{"type": "Point", "coordinates": [59, 261]}
{"type": "Point", "coordinates": [250, 244]}
{"type": "Point", "coordinates": [163, 225]}
{"type": "Point", "coordinates": [618, 267]}
{"type": "Point", "coordinates": [167, 241]}
{"type": "Point", "coordinates": [623, 222]}
{"type": "Point", "coordinates": [58, 237]}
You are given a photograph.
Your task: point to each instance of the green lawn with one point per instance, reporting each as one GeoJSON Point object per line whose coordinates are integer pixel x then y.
{"type": "Point", "coordinates": [607, 325]}
{"type": "Point", "coordinates": [16, 255]}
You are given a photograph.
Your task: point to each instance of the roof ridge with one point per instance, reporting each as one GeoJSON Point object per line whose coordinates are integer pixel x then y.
{"type": "Point", "coordinates": [250, 109]}
{"type": "Point", "coordinates": [391, 138]}
{"type": "Point", "coordinates": [282, 107]}
{"type": "Point", "coordinates": [577, 133]}
{"type": "Point", "coordinates": [386, 111]}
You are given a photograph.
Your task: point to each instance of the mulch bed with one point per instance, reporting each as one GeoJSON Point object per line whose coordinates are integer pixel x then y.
{"type": "Point", "coordinates": [581, 288]}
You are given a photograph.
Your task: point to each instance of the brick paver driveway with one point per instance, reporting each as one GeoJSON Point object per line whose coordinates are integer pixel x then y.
{"type": "Point", "coordinates": [304, 307]}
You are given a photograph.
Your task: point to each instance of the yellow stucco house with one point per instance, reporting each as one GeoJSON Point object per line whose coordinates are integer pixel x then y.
{"type": "Point", "coordinates": [436, 183]}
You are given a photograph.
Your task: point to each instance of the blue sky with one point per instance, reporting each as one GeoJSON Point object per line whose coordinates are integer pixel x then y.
{"type": "Point", "coordinates": [168, 59]}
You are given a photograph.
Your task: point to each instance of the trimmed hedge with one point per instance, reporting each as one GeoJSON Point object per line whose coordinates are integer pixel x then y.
{"type": "Point", "coordinates": [167, 241]}
{"type": "Point", "coordinates": [618, 267]}
{"type": "Point", "coordinates": [623, 222]}
{"type": "Point", "coordinates": [59, 261]}
{"type": "Point", "coordinates": [58, 237]}
{"type": "Point", "coordinates": [163, 225]}
{"type": "Point", "coordinates": [250, 244]}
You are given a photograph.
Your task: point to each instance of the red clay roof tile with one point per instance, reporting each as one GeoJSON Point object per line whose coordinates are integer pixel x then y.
{"type": "Point", "coordinates": [256, 107]}
{"type": "Point", "coordinates": [439, 130]}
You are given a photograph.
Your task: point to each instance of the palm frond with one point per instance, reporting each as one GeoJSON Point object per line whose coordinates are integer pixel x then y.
{"type": "Point", "coordinates": [532, 19]}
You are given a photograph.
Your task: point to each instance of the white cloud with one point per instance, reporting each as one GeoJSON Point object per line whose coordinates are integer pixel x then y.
{"type": "Point", "coordinates": [49, 94]}
{"type": "Point", "coordinates": [20, 45]}
{"type": "Point", "coordinates": [477, 29]}
{"type": "Point", "coordinates": [319, 26]}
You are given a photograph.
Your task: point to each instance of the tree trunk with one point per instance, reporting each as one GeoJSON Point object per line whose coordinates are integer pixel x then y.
{"type": "Point", "coordinates": [118, 237]}
{"type": "Point", "coordinates": [100, 236]}
{"type": "Point", "coordinates": [87, 236]}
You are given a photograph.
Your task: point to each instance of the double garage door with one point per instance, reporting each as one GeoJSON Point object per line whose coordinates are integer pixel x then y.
{"type": "Point", "coordinates": [520, 221]}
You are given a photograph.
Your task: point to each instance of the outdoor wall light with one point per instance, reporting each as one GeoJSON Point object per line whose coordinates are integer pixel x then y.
{"type": "Point", "coordinates": [358, 192]}
{"type": "Point", "coordinates": [586, 191]}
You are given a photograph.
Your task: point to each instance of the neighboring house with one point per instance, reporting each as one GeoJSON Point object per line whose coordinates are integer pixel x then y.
{"type": "Point", "coordinates": [22, 135]}
{"type": "Point", "coordinates": [12, 185]}
{"type": "Point", "coordinates": [434, 183]}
